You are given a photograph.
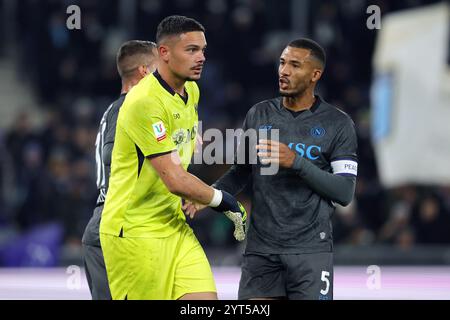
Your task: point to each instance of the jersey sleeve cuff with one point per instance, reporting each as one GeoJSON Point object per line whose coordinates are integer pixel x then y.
{"type": "Point", "coordinates": [157, 154]}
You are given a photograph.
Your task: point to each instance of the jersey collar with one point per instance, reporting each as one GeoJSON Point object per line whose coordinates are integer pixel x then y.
{"type": "Point", "coordinates": [166, 86]}
{"type": "Point", "coordinates": [313, 108]}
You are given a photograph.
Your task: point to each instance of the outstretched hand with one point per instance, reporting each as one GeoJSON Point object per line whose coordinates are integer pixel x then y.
{"type": "Point", "coordinates": [191, 208]}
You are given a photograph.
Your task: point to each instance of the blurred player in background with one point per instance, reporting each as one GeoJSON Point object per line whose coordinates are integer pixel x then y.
{"type": "Point", "coordinates": [150, 251]}
{"type": "Point", "coordinates": [289, 251]}
{"type": "Point", "coordinates": [135, 59]}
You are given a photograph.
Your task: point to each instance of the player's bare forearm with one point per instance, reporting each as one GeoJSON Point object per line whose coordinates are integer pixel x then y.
{"type": "Point", "coordinates": [189, 187]}
{"type": "Point", "coordinates": [192, 188]}
{"type": "Point", "coordinates": [179, 181]}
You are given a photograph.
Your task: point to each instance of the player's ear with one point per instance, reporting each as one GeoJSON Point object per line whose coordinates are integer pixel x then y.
{"type": "Point", "coordinates": [143, 70]}
{"type": "Point", "coordinates": [164, 52]}
{"type": "Point", "coordinates": [317, 73]}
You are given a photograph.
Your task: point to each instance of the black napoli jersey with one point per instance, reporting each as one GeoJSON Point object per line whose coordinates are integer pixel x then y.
{"type": "Point", "coordinates": [104, 145]}
{"type": "Point", "coordinates": [287, 216]}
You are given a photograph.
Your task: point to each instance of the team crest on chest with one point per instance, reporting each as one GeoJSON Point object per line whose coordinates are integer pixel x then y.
{"type": "Point", "coordinates": [317, 132]}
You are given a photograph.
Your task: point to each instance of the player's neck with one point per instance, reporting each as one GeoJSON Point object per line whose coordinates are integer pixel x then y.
{"type": "Point", "coordinates": [128, 84]}
{"type": "Point", "coordinates": [173, 81]}
{"type": "Point", "coordinates": [299, 103]}
{"type": "Point", "coordinates": [126, 88]}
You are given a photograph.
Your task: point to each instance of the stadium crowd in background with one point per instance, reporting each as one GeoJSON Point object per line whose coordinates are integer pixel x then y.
{"type": "Point", "coordinates": [48, 173]}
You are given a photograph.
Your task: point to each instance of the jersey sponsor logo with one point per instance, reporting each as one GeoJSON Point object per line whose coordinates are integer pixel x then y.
{"type": "Point", "coordinates": [159, 130]}
{"type": "Point", "coordinates": [345, 167]}
{"type": "Point", "coordinates": [311, 152]}
{"type": "Point", "coordinates": [318, 132]}
{"type": "Point", "coordinates": [179, 136]}
{"type": "Point", "coordinates": [182, 135]}
{"type": "Point", "coordinates": [176, 116]}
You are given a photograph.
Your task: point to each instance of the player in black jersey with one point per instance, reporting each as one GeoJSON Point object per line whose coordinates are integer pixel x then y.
{"type": "Point", "coordinates": [135, 59]}
{"type": "Point", "coordinates": [289, 250]}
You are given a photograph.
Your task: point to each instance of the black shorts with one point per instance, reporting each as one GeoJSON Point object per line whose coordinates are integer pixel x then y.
{"type": "Point", "coordinates": [94, 263]}
{"type": "Point", "coordinates": [91, 235]}
{"type": "Point", "coordinates": [96, 276]}
{"type": "Point", "coordinates": [307, 276]}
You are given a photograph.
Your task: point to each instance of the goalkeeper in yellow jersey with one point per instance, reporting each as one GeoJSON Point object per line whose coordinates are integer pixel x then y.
{"type": "Point", "coordinates": [150, 251]}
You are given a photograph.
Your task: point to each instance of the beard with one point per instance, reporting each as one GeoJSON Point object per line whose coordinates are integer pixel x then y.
{"type": "Point", "coordinates": [296, 92]}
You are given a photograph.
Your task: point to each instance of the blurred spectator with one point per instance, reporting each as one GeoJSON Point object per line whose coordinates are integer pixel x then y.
{"type": "Point", "coordinates": [399, 214]}
{"type": "Point", "coordinates": [431, 221]}
{"type": "Point", "coordinates": [52, 173]}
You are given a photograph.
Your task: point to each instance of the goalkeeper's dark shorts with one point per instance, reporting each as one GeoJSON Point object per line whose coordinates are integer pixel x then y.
{"type": "Point", "coordinates": [94, 263]}
{"type": "Point", "coordinates": [307, 276]}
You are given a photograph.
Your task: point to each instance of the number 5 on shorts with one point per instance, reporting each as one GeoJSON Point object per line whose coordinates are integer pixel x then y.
{"type": "Point", "coordinates": [324, 278]}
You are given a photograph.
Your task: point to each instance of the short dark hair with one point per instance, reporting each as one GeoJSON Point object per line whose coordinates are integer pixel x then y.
{"type": "Point", "coordinates": [316, 50]}
{"type": "Point", "coordinates": [175, 25]}
{"type": "Point", "coordinates": [132, 54]}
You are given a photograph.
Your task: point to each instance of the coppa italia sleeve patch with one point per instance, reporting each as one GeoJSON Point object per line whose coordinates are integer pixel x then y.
{"type": "Point", "coordinates": [159, 130]}
{"type": "Point", "coordinates": [345, 167]}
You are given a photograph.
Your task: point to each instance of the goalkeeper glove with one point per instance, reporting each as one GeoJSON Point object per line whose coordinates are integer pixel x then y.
{"type": "Point", "coordinates": [233, 210]}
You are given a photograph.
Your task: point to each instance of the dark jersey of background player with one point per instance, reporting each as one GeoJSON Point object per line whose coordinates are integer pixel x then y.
{"type": "Point", "coordinates": [103, 147]}
{"type": "Point", "coordinates": [103, 150]}
{"type": "Point", "coordinates": [135, 60]}
{"type": "Point", "coordinates": [298, 215]}
{"type": "Point", "coordinates": [291, 210]}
